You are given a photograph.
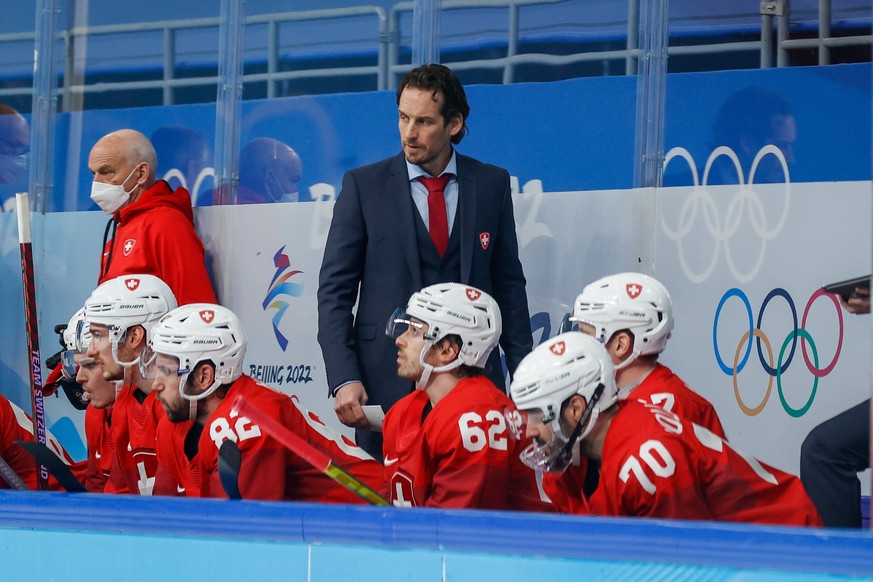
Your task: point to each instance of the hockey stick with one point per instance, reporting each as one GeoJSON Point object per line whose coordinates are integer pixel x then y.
{"type": "Point", "coordinates": [10, 476]}
{"type": "Point", "coordinates": [228, 468]}
{"type": "Point", "coordinates": [307, 452]}
{"type": "Point", "coordinates": [46, 458]}
{"type": "Point", "coordinates": [22, 205]}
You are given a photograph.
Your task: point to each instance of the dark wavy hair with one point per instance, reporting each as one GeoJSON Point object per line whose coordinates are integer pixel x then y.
{"type": "Point", "coordinates": [439, 78]}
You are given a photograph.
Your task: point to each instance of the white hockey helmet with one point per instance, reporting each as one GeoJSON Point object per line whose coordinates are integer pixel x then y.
{"type": "Point", "coordinates": [452, 309]}
{"type": "Point", "coordinates": [570, 363]}
{"type": "Point", "coordinates": [77, 338]}
{"type": "Point", "coordinates": [631, 301]}
{"type": "Point", "coordinates": [128, 301]}
{"type": "Point", "coordinates": [201, 332]}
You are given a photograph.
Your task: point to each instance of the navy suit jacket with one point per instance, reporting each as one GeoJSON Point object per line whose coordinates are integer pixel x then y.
{"type": "Point", "coordinates": [371, 256]}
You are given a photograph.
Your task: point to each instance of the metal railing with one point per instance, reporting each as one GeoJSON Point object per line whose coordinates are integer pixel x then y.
{"type": "Point", "coordinates": [387, 37]}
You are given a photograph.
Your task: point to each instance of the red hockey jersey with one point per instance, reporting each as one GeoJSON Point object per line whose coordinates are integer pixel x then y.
{"type": "Point", "coordinates": [177, 474]}
{"type": "Point", "coordinates": [16, 425]}
{"type": "Point", "coordinates": [270, 471]}
{"type": "Point", "coordinates": [655, 464]}
{"type": "Point", "coordinates": [665, 389]}
{"type": "Point", "coordinates": [135, 420]}
{"type": "Point", "coordinates": [662, 388]}
{"type": "Point", "coordinates": [460, 456]}
{"type": "Point", "coordinates": [98, 477]}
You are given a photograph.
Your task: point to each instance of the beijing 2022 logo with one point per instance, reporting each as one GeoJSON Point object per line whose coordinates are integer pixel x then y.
{"type": "Point", "coordinates": [777, 362]}
{"type": "Point", "coordinates": [282, 286]}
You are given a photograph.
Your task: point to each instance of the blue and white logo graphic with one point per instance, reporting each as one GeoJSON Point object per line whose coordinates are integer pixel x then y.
{"type": "Point", "coordinates": [281, 288]}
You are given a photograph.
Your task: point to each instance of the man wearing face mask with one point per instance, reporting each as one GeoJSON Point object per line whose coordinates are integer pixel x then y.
{"type": "Point", "coordinates": [269, 171]}
{"type": "Point", "coordinates": [152, 226]}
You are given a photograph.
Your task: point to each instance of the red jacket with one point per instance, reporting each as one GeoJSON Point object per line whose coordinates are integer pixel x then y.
{"type": "Point", "coordinates": [155, 236]}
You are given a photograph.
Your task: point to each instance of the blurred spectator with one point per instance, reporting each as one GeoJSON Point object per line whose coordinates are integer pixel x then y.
{"type": "Point", "coordinates": [14, 150]}
{"type": "Point", "coordinates": [748, 120]}
{"type": "Point", "coordinates": [269, 171]}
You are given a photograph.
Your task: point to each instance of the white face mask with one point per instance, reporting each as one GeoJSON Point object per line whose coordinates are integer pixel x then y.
{"type": "Point", "coordinates": [111, 197]}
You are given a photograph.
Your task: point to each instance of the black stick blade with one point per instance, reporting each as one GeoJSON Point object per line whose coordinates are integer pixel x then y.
{"type": "Point", "coordinates": [55, 466]}
{"type": "Point", "coordinates": [229, 461]}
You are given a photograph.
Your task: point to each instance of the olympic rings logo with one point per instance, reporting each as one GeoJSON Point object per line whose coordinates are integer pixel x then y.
{"type": "Point", "coordinates": [722, 229]}
{"type": "Point", "coordinates": [789, 344]}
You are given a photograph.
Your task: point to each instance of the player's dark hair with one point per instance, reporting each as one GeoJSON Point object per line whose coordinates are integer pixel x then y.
{"type": "Point", "coordinates": [440, 79]}
{"type": "Point", "coordinates": [222, 390]}
{"type": "Point", "coordinates": [462, 371]}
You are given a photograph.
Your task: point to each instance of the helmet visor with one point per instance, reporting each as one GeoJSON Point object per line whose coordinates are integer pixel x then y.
{"type": "Point", "coordinates": [400, 322]}
{"type": "Point", "coordinates": [69, 365]}
{"type": "Point", "coordinates": [569, 323]}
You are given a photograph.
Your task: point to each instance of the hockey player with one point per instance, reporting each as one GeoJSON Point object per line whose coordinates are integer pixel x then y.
{"type": "Point", "coordinates": [632, 315]}
{"type": "Point", "coordinates": [99, 395]}
{"type": "Point", "coordinates": [653, 463]}
{"type": "Point", "coordinates": [120, 314]}
{"type": "Point", "coordinates": [200, 350]}
{"type": "Point", "coordinates": [446, 444]}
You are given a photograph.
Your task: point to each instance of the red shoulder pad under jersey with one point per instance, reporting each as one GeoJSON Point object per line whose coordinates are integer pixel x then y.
{"type": "Point", "coordinates": [176, 474]}
{"type": "Point", "coordinates": [658, 465]}
{"type": "Point", "coordinates": [665, 389]}
{"type": "Point", "coordinates": [270, 471]}
{"type": "Point", "coordinates": [134, 429]}
{"type": "Point", "coordinates": [462, 456]}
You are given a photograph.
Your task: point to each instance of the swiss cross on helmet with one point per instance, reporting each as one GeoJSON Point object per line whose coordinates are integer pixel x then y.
{"type": "Point", "coordinates": [202, 332]}
{"type": "Point", "coordinates": [571, 363]}
{"type": "Point", "coordinates": [452, 309]}
{"type": "Point", "coordinates": [631, 301]}
{"type": "Point", "coordinates": [128, 301]}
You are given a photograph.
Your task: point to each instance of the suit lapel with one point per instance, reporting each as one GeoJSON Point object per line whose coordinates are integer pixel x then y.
{"type": "Point", "coordinates": [467, 207]}
{"type": "Point", "coordinates": [403, 209]}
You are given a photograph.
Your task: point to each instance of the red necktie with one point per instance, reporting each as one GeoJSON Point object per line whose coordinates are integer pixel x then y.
{"type": "Point", "coordinates": [438, 222]}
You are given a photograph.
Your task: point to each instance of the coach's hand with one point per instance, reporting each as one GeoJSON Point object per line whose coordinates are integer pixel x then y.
{"type": "Point", "coordinates": [348, 402]}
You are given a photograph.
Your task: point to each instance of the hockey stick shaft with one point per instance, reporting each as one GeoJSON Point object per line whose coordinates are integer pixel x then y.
{"type": "Point", "coordinates": [22, 203]}
{"type": "Point", "coordinates": [307, 452]}
{"type": "Point", "coordinates": [10, 476]}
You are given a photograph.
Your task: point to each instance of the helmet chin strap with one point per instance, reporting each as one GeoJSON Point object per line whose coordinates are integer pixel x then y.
{"type": "Point", "coordinates": [589, 417]}
{"type": "Point", "coordinates": [627, 361]}
{"type": "Point", "coordinates": [427, 369]}
{"type": "Point", "coordinates": [125, 365]}
{"type": "Point", "coordinates": [196, 397]}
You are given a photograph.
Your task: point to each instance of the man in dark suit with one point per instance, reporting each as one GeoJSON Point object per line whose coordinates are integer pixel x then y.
{"type": "Point", "coordinates": [391, 235]}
